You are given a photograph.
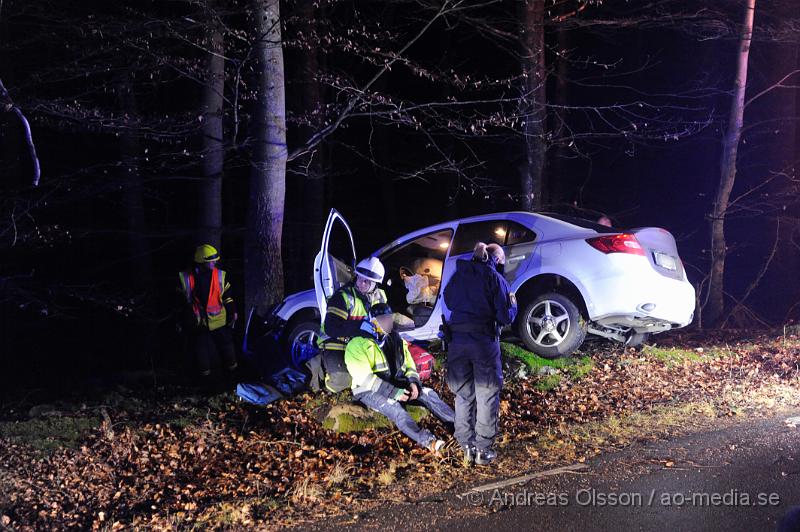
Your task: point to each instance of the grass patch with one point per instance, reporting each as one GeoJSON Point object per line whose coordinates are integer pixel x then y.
{"type": "Point", "coordinates": [388, 476]}
{"type": "Point", "coordinates": [532, 360]}
{"type": "Point", "coordinates": [672, 356]}
{"type": "Point", "coordinates": [50, 433]}
{"type": "Point", "coordinates": [182, 422]}
{"type": "Point", "coordinates": [313, 401]}
{"type": "Point", "coordinates": [576, 368]}
{"type": "Point", "coordinates": [570, 441]}
{"type": "Point", "coordinates": [580, 368]}
{"type": "Point", "coordinates": [579, 441]}
{"type": "Point", "coordinates": [339, 474]}
{"type": "Point", "coordinates": [231, 515]}
{"type": "Point", "coordinates": [547, 383]}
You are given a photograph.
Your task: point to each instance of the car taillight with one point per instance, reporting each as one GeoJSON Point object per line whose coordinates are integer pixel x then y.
{"type": "Point", "coordinates": [624, 243]}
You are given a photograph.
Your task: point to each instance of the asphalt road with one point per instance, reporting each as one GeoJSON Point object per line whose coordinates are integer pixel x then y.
{"type": "Point", "coordinates": [741, 477]}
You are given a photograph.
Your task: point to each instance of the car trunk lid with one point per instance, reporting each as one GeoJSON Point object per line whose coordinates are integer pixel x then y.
{"type": "Point", "coordinates": [661, 250]}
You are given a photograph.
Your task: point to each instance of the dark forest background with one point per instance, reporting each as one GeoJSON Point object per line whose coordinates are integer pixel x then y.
{"type": "Point", "coordinates": [157, 125]}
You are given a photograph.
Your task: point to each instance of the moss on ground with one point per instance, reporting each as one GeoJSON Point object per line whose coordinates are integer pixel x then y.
{"type": "Point", "coordinates": [548, 382]}
{"type": "Point", "coordinates": [49, 433]}
{"type": "Point", "coordinates": [671, 356]}
{"type": "Point", "coordinates": [576, 368]}
{"type": "Point", "coordinates": [355, 418]}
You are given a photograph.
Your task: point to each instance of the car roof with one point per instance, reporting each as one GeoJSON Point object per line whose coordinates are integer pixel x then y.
{"type": "Point", "coordinates": [555, 224]}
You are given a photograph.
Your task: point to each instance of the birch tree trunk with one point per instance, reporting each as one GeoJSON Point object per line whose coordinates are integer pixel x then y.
{"type": "Point", "coordinates": [730, 147]}
{"type": "Point", "coordinates": [263, 265]}
{"type": "Point", "coordinates": [533, 103]}
{"type": "Point", "coordinates": [210, 215]}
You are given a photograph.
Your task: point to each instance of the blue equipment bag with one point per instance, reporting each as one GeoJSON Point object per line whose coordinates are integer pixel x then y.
{"type": "Point", "coordinates": [257, 394]}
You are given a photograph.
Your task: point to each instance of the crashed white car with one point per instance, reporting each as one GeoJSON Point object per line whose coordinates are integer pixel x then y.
{"type": "Point", "coordinates": [571, 277]}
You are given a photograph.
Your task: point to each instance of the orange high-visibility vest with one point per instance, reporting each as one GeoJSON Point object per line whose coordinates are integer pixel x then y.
{"type": "Point", "coordinates": [212, 312]}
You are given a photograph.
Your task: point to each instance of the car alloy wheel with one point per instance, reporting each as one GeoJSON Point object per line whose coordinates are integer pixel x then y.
{"type": "Point", "coordinates": [305, 338]}
{"type": "Point", "coordinates": [548, 323]}
{"type": "Point", "coordinates": [304, 334]}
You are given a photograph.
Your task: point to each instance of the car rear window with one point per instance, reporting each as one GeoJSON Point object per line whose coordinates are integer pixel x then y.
{"type": "Point", "coordinates": [581, 222]}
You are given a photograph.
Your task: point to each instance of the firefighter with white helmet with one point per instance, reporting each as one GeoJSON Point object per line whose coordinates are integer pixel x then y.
{"type": "Point", "coordinates": [348, 317]}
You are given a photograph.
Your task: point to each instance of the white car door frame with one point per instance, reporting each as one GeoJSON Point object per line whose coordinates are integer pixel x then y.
{"type": "Point", "coordinates": [324, 276]}
{"type": "Point", "coordinates": [431, 327]}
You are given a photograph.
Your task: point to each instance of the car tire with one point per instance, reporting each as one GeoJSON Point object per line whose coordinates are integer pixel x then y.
{"type": "Point", "coordinates": [552, 326]}
{"type": "Point", "coordinates": [305, 331]}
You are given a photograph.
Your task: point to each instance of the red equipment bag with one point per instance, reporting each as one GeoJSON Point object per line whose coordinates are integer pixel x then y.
{"type": "Point", "coordinates": [423, 360]}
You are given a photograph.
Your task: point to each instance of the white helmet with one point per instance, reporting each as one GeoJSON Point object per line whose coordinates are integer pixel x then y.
{"type": "Point", "coordinates": [372, 269]}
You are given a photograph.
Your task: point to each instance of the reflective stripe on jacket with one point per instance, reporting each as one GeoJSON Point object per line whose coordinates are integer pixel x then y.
{"type": "Point", "coordinates": [369, 368]}
{"type": "Point", "coordinates": [347, 308]}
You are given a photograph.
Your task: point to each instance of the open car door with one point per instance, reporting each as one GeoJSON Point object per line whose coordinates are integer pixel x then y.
{"type": "Point", "coordinates": [335, 263]}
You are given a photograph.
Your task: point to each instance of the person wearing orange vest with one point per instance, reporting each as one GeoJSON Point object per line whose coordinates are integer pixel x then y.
{"type": "Point", "coordinates": [210, 312]}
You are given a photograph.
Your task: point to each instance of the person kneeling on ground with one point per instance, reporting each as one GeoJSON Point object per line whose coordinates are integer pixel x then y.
{"type": "Point", "coordinates": [384, 377]}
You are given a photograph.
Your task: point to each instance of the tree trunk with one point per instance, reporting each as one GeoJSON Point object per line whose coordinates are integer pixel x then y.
{"type": "Point", "coordinates": [210, 215]}
{"type": "Point", "coordinates": [263, 267]}
{"type": "Point", "coordinates": [7, 107]}
{"type": "Point", "coordinates": [781, 156]}
{"type": "Point", "coordinates": [132, 189]}
{"type": "Point", "coordinates": [730, 147]}
{"type": "Point", "coordinates": [559, 182]}
{"type": "Point", "coordinates": [533, 103]}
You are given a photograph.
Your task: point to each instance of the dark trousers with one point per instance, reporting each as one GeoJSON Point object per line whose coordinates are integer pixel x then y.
{"type": "Point", "coordinates": [475, 376]}
{"type": "Point", "coordinates": [207, 343]}
{"type": "Point", "coordinates": [337, 378]}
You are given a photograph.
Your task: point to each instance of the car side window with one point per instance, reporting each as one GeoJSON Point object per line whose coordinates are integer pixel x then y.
{"type": "Point", "coordinates": [468, 234]}
{"type": "Point", "coordinates": [518, 234]}
{"type": "Point", "coordinates": [503, 232]}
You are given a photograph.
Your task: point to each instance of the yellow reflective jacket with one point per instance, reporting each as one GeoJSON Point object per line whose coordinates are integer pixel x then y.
{"type": "Point", "coordinates": [369, 367]}
{"type": "Point", "coordinates": [347, 308]}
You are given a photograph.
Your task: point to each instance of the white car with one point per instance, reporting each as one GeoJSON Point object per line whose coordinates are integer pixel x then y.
{"type": "Point", "coordinates": [571, 277]}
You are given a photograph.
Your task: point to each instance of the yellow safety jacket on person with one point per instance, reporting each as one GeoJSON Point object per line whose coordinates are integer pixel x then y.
{"type": "Point", "coordinates": [370, 370]}
{"type": "Point", "coordinates": [211, 312]}
{"type": "Point", "coordinates": [347, 308]}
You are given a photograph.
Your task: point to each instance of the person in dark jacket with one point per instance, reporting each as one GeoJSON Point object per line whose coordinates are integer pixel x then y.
{"type": "Point", "coordinates": [480, 304]}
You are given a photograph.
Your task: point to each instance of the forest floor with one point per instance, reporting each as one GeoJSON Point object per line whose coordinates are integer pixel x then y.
{"type": "Point", "coordinates": [162, 458]}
